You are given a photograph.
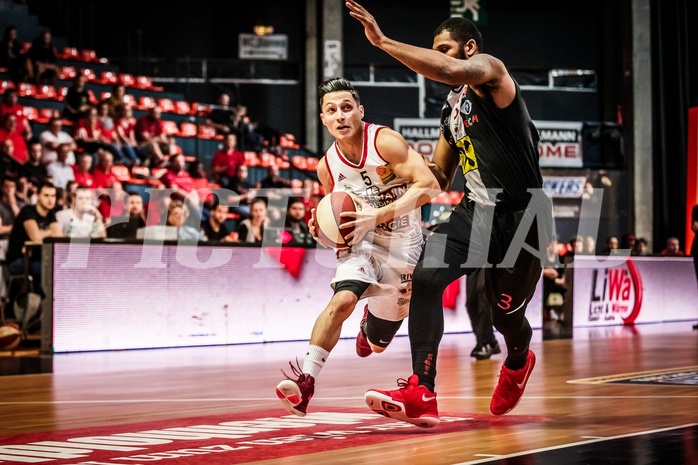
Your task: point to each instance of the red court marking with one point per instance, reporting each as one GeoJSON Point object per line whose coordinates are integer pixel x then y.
{"type": "Point", "coordinates": [230, 439]}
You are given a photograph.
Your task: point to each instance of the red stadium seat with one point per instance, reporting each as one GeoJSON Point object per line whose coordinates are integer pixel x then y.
{"type": "Point", "coordinates": [89, 74]}
{"type": "Point", "coordinates": [251, 158]}
{"type": "Point", "coordinates": [127, 79]}
{"type": "Point", "coordinates": [146, 102]}
{"type": "Point", "coordinates": [121, 172]}
{"type": "Point", "coordinates": [26, 90]}
{"type": "Point", "coordinates": [171, 128]}
{"type": "Point", "coordinates": [109, 77]}
{"type": "Point", "coordinates": [70, 53]}
{"type": "Point", "coordinates": [143, 82]}
{"type": "Point", "coordinates": [89, 56]}
{"type": "Point", "coordinates": [182, 107]}
{"type": "Point", "coordinates": [187, 129]}
{"type": "Point", "coordinates": [207, 132]}
{"type": "Point", "coordinates": [68, 72]}
{"type": "Point", "coordinates": [31, 113]}
{"type": "Point", "coordinates": [46, 92]}
{"type": "Point", "coordinates": [167, 105]}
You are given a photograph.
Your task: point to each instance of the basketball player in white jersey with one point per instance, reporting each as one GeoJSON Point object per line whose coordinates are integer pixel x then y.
{"type": "Point", "coordinates": [392, 182]}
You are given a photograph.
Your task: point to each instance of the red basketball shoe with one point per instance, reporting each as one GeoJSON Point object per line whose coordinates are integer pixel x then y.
{"type": "Point", "coordinates": [511, 386]}
{"type": "Point", "coordinates": [295, 394]}
{"type": "Point", "coordinates": [412, 403]}
{"type": "Point", "coordinates": [363, 348]}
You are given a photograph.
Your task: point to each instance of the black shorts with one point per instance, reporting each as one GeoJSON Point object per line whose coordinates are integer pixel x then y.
{"type": "Point", "coordinates": [506, 242]}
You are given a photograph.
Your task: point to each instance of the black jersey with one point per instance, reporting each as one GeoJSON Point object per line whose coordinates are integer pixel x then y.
{"type": "Point", "coordinates": [498, 147]}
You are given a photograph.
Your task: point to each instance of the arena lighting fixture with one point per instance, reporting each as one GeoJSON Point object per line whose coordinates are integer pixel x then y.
{"type": "Point", "coordinates": [263, 30]}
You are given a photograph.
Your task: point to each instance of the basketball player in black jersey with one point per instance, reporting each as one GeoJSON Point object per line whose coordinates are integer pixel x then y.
{"type": "Point", "coordinates": [503, 224]}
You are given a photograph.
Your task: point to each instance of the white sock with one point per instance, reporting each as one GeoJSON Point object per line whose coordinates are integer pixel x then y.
{"type": "Point", "coordinates": [315, 358]}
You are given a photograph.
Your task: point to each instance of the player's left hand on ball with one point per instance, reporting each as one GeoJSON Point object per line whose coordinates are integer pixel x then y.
{"type": "Point", "coordinates": [311, 228]}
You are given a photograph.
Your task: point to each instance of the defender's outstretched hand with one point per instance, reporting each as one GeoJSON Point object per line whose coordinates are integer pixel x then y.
{"type": "Point", "coordinates": [373, 32]}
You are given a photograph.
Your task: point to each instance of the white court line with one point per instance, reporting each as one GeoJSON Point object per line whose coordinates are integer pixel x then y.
{"type": "Point", "coordinates": [573, 444]}
{"type": "Point", "coordinates": [321, 399]}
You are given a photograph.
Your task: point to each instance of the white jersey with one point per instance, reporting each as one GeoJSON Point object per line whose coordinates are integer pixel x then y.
{"type": "Point", "coordinates": [374, 181]}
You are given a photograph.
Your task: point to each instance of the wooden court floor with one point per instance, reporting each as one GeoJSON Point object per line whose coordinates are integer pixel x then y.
{"type": "Point", "coordinates": [604, 396]}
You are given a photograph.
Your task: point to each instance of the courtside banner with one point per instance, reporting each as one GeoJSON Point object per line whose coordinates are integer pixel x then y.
{"type": "Point", "coordinates": [560, 144]}
{"type": "Point", "coordinates": [640, 290]}
{"type": "Point", "coordinates": [560, 141]}
{"type": "Point", "coordinates": [135, 296]}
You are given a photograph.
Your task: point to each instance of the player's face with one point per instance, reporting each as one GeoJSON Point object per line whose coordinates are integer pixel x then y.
{"type": "Point", "coordinates": [341, 115]}
{"type": "Point", "coordinates": [445, 44]}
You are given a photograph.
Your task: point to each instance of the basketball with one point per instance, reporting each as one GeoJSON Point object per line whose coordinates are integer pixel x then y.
{"type": "Point", "coordinates": [328, 220]}
{"type": "Point", "coordinates": [10, 336]}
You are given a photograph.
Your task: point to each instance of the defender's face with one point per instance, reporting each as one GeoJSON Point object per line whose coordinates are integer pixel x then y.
{"type": "Point", "coordinates": [445, 44]}
{"type": "Point", "coordinates": [341, 115]}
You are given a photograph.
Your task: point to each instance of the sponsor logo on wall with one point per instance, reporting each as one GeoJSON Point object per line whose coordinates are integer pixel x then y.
{"type": "Point", "coordinates": [616, 294]}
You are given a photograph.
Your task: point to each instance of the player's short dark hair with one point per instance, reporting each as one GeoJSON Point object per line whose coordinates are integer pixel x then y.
{"type": "Point", "coordinates": [337, 84]}
{"type": "Point", "coordinates": [461, 30]}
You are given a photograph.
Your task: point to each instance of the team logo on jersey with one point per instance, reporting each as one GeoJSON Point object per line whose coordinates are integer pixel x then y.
{"type": "Point", "coordinates": [467, 107]}
{"type": "Point", "coordinates": [468, 160]}
{"type": "Point", "coordinates": [341, 177]}
{"type": "Point", "coordinates": [386, 173]}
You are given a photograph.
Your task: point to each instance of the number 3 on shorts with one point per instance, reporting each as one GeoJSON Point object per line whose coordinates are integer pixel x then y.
{"type": "Point", "coordinates": [505, 302]}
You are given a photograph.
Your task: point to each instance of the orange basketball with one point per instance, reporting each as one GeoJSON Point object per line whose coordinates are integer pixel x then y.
{"type": "Point", "coordinates": [328, 221]}
{"type": "Point", "coordinates": [10, 336]}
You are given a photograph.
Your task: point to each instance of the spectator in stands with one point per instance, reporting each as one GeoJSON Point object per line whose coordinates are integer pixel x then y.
{"type": "Point", "coordinates": [83, 219]}
{"type": "Point", "coordinates": [33, 223]}
{"type": "Point", "coordinates": [116, 98]}
{"type": "Point", "coordinates": [244, 192]}
{"type": "Point", "coordinates": [54, 136]}
{"type": "Point", "coordinates": [200, 183]}
{"type": "Point", "coordinates": [112, 201]}
{"type": "Point", "coordinates": [628, 241]}
{"type": "Point", "coordinates": [77, 100]}
{"type": "Point", "coordinates": [177, 177]}
{"type": "Point", "coordinates": [214, 228]}
{"type": "Point", "coordinates": [11, 56]}
{"type": "Point", "coordinates": [102, 171]}
{"type": "Point", "coordinates": [223, 116]}
{"type": "Point", "coordinates": [136, 219]}
{"type": "Point", "coordinates": [178, 216]}
{"type": "Point", "coordinates": [83, 171]}
{"type": "Point", "coordinates": [226, 161]}
{"type": "Point", "coordinates": [641, 247]}
{"type": "Point", "coordinates": [672, 248]}
{"type": "Point", "coordinates": [10, 104]}
{"type": "Point", "coordinates": [90, 135]}
{"type": "Point", "coordinates": [251, 230]}
{"type": "Point", "coordinates": [589, 245]}
{"type": "Point", "coordinates": [554, 284]}
{"type": "Point", "coordinates": [10, 205]}
{"type": "Point", "coordinates": [152, 139]}
{"type": "Point", "coordinates": [59, 170]}
{"type": "Point", "coordinates": [295, 228]}
{"type": "Point", "coordinates": [44, 59]}
{"type": "Point", "coordinates": [10, 131]}
{"type": "Point", "coordinates": [611, 246]}
{"type": "Point", "coordinates": [32, 169]}
{"type": "Point", "coordinates": [274, 180]}
{"type": "Point", "coordinates": [249, 130]}
{"type": "Point", "coordinates": [8, 163]}
{"type": "Point", "coordinates": [103, 114]}
{"type": "Point", "coordinates": [125, 135]}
